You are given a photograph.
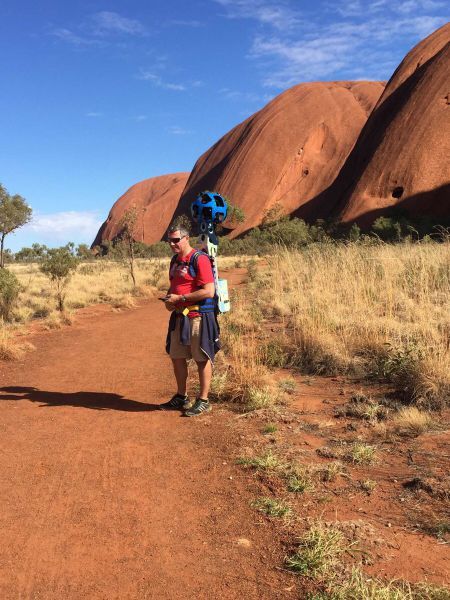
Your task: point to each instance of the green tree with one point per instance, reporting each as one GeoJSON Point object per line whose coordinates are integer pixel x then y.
{"type": "Point", "coordinates": [235, 214]}
{"type": "Point", "coordinates": [59, 265]}
{"type": "Point", "coordinates": [355, 233]}
{"type": "Point", "coordinates": [8, 255]}
{"type": "Point", "coordinates": [84, 252]}
{"type": "Point", "coordinates": [274, 214]}
{"type": "Point", "coordinates": [9, 292]}
{"type": "Point", "coordinates": [36, 253]}
{"type": "Point", "coordinates": [128, 225]}
{"type": "Point", "coordinates": [14, 212]}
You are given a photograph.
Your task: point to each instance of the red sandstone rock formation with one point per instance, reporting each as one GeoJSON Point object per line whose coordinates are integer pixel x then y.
{"type": "Point", "coordinates": [288, 152]}
{"type": "Point", "coordinates": [402, 157]}
{"type": "Point", "coordinates": [155, 200]}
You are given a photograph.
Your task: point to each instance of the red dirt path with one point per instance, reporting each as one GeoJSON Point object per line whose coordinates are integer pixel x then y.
{"type": "Point", "coordinates": [105, 497]}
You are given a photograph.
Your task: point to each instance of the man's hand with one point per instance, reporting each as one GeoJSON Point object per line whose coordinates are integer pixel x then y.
{"type": "Point", "coordinates": [172, 299]}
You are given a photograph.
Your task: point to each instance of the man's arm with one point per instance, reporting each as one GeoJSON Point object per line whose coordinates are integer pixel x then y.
{"type": "Point", "coordinates": [207, 291]}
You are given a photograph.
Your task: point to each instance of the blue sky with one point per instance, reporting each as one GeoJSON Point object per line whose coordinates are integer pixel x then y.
{"type": "Point", "coordinates": [98, 95]}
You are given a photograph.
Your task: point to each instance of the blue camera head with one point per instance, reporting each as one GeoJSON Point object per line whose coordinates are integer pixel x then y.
{"type": "Point", "coordinates": [209, 207]}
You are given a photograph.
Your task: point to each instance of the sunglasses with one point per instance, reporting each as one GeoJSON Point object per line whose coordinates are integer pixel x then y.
{"type": "Point", "coordinates": [175, 240]}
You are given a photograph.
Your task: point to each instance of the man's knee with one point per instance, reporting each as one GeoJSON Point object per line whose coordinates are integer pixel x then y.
{"type": "Point", "coordinates": [201, 364]}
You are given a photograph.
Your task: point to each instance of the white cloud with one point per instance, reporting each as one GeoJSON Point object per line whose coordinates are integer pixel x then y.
{"type": "Point", "coordinates": [363, 8]}
{"type": "Point", "coordinates": [97, 28]}
{"type": "Point", "coordinates": [175, 130]}
{"type": "Point", "coordinates": [140, 118]}
{"type": "Point", "coordinates": [275, 14]}
{"type": "Point", "coordinates": [106, 22]}
{"type": "Point", "coordinates": [61, 224]}
{"type": "Point", "coordinates": [301, 61]}
{"type": "Point", "coordinates": [56, 229]}
{"type": "Point", "coordinates": [357, 48]}
{"type": "Point", "coordinates": [240, 96]}
{"type": "Point", "coordinates": [158, 81]}
{"type": "Point", "coordinates": [347, 39]}
{"type": "Point", "coordinates": [66, 35]}
{"type": "Point", "coordinates": [94, 115]}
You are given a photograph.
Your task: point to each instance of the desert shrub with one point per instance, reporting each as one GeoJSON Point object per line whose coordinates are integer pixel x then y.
{"type": "Point", "coordinates": [158, 250]}
{"type": "Point", "coordinates": [313, 355]}
{"type": "Point", "coordinates": [290, 233]}
{"type": "Point", "coordinates": [412, 374]}
{"type": "Point", "coordinates": [9, 292]}
{"type": "Point", "coordinates": [59, 265]}
{"type": "Point", "coordinates": [354, 233]}
{"type": "Point", "coordinates": [272, 507]}
{"type": "Point", "coordinates": [387, 229]}
{"type": "Point", "coordinates": [266, 462]}
{"type": "Point", "coordinates": [299, 480]}
{"type": "Point", "coordinates": [273, 353]}
{"type": "Point", "coordinates": [258, 397]}
{"type": "Point", "coordinates": [361, 454]}
{"type": "Point", "coordinates": [288, 385]}
{"type": "Point", "coordinates": [357, 586]}
{"type": "Point", "coordinates": [412, 421]}
{"type": "Point", "coordinates": [156, 271]}
{"type": "Point", "coordinates": [319, 552]}
{"type": "Point", "coordinates": [10, 347]}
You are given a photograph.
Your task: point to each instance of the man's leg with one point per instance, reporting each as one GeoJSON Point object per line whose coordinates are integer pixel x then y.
{"type": "Point", "coordinates": [202, 403]}
{"type": "Point", "coordinates": [204, 375]}
{"type": "Point", "coordinates": [181, 374]}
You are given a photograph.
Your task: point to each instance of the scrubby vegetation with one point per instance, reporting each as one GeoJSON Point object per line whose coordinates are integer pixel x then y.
{"type": "Point", "coordinates": [378, 311]}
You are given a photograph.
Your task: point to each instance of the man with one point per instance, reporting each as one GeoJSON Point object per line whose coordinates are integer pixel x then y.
{"type": "Point", "coordinates": [193, 330]}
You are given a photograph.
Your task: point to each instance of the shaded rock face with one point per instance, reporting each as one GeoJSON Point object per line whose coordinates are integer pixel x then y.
{"type": "Point", "coordinates": [287, 153]}
{"type": "Point", "coordinates": [402, 157]}
{"type": "Point", "coordinates": [155, 200]}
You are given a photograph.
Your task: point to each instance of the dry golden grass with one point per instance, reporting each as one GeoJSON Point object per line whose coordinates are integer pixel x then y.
{"type": "Point", "coordinates": [93, 282]}
{"type": "Point", "coordinates": [412, 421]}
{"type": "Point", "coordinates": [379, 309]}
{"type": "Point", "coordinates": [10, 347]}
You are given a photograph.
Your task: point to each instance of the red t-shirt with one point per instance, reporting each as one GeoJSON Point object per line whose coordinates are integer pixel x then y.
{"type": "Point", "coordinates": [181, 281]}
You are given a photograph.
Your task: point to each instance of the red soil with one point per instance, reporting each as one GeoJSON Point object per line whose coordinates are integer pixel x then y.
{"type": "Point", "coordinates": [105, 497]}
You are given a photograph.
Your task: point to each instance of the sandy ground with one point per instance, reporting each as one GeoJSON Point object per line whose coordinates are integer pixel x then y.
{"type": "Point", "coordinates": [104, 496]}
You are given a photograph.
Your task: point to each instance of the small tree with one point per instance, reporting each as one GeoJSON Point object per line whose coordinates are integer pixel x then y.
{"type": "Point", "coordinates": [84, 252]}
{"type": "Point", "coordinates": [14, 212]}
{"type": "Point", "coordinates": [355, 233]}
{"type": "Point", "coordinates": [274, 214]}
{"type": "Point", "coordinates": [59, 266]}
{"type": "Point", "coordinates": [235, 215]}
{"type": "Point", "coordinates": [9, 292]}
{"type": "Point", "coordinates": [128, 224]}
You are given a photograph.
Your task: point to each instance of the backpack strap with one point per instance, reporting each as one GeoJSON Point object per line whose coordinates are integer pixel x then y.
{"type": "Point", "coordinates": [208, 304]}
{"type": "Point", "coordinates": [173, 260]}
{"type": "Point", "coordinates": [193, 262]}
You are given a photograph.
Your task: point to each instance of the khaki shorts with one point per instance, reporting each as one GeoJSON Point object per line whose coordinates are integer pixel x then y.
{"type": "Point", "coordinates": [177, 350]}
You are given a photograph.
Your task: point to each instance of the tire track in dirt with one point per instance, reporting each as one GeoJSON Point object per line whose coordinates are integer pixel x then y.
{"type": "Point", "coordinates": [105, 497]}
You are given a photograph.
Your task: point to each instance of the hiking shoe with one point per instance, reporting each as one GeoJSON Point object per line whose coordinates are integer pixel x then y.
{"type": "Point", "coordinates": [200, 406]}
{"type": "Point", "coordinates": [177, 402]}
